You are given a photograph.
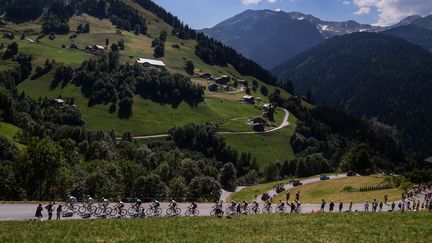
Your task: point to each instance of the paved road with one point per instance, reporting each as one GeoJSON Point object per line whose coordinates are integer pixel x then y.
{"type": "Point", "coordinates": [26, 211]}
{"type": "Point", "coordinates": [273, 192]}
{"type": "Point", "coordinates": [225, 194]}
{"type": "Point", "coordinates": [284, 123]}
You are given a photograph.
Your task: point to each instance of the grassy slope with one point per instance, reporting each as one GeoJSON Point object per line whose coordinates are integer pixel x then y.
{"type": "Point", "coordinates": [266, 147]}
{"type": "Point", "coordinates": [8, 131]}
{"type": "Point", "coordinates": [353, 227]}
{"type": "Point", "coordinates": [149, 118]}
{"type": "Point", "coordinates": [333, 190]}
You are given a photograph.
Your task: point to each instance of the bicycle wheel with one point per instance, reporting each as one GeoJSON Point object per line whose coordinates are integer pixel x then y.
{"type": "Point", "coordinates": [195, 212]}
{"type": "Point", "coordinates": [65, 208]}
{"type": "Point", "coordinates": [92, 209]}
{"type": "Point", "coordinates": [108, 211]}
{"type": "Point", "coordinates": [229, 211]}
{"type": "Point", "coordinates": [149, 211]}
{"type": "Point", "coordinates": [82, 209]}
{"type": "Point", "coordinates": [123, 212]}
{"type": "Point", "coordinates": [132, 210]}
{"type": "Point", "coordinates": [98, 211]}
{"type": "Point", "coordinates": [177, 211]}
{"type": "Point", "coordinates": [213, 212]}
{"type": "Point", "coordinates": [169, 212]}
{"type": "Point", "coordinates": [158, 212]}
{"type": "Point", "coordinates": [188, 213]}
{"type": "Point", "coordinates": [75, 208]}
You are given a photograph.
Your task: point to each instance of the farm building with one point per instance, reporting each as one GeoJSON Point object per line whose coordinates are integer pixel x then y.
{"type": "Point", "coordinates": [249, 99]}
{"type": "Point", "coordinates": [223, 80]}
{"type": "Point", "coordinates": [151, 63]}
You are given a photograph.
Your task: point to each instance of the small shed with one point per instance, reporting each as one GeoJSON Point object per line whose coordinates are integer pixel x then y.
{"type": "Point", "coordinates": [205, 75]}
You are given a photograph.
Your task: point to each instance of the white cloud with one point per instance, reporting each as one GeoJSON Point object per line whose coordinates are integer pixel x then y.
{"type": "Point", "coordinates": [249, 2]}
{"type": "Point", "coordinates": [346, 2]}
{"type": "Point", "coordinates": [362, 11]}
{"type": "Point", "coordinates": [392, 11]}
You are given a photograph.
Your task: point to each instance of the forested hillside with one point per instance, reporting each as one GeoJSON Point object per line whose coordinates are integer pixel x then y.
{"type": "Point", "coordinates": [370, 75]}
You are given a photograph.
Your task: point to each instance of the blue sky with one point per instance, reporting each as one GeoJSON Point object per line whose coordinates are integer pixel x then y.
{"type": "Point", "coordinates": [207, 13]}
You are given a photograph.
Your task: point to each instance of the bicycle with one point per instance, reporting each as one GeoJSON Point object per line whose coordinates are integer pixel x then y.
{"type": "Point", "coordinates": [134, 209]}
{"type": "Point", "coordinates": [216, 211]}
{"type": "Point", "coordinates": [87, 208]}
{"type": "Point", "coordinates": [103, 210]}
{"type": "Point", "coordinates": [154, 211]}
{"type": "Point", "coordinates": [70, 207]}
{"type": "Point", "coordinates": [280, 209]}
{"type": "Point", "coordinates": [255, 210]}
{"type": "Point", "coordinates": [231, 210]}
{"type": "Point", "coordinates": [173, 212]}
{"type": "Point", "coordinates": [267, 209]}
{"type": "Point", "coordinates": [191, 212]}
{"type": "Point", "coordinates": [118, 211]}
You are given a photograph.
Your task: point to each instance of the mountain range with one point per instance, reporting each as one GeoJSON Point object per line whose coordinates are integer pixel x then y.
{"type": "Point", "coordinates": [272, 37]}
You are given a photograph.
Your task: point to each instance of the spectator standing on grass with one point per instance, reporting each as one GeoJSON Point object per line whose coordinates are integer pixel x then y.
{"type": "Point", "coordinates": [350, 206]}
{"type": "Point", "coordinates": [366, 206]}
{"type": "Point", "coordinates": [381, 204]}
{"type": "Point", "coordinates": [38, 213]}
{"type": "Point", "coordinates": [288, 194]}
{"type": "Point", "coordinates": [323, 203]}
{"type": "Point", "coordinates": [50, 209]}
{"type": "Point", "coordinates": [374, 205]}
{"type": "Point", "coordinates": [393, 205]}
{"type": "Point", "coordinates": [386, 199]}
{"type": "Point", "coordinates": [331, 206]}
{"type": "Point", "coordinates": [298, 196]}
{"type": "Point", "coordinates": [59, 210]}
{"type": "Point", "coordinates": [340, 206]}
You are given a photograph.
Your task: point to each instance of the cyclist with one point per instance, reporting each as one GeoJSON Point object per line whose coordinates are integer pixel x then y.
{"type": "Point", "coordinates": [281, 205]}
{"type": "Point", "coordinates": [255, 206]}
{"type": "Point", "coordinates": [155, 204]}
{"type": "Point", "coordinates": [120, 205]}
{"type": "Point", "coordinates": [90, 201]}
{"type": "Point", "coordinates": [268, 204]}
{"type": "Point", "coordinates": [138, 203]}
{"type": "Point", "coordinates": [193, 207]}
{"type": "Point", "coordinates": [71, 200]}
{"type": "Point", "coordinates": [173, 204]}
{"type": "Point", "coordinates": [218, 208]}
{"type": "Point", "coordinates": [245, 205]}
{"type": "Point", "coordinates": [105, 202]}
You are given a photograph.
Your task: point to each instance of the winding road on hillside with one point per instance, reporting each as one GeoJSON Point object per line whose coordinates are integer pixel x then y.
{"type": "Point", "coordinates": [284, 123]}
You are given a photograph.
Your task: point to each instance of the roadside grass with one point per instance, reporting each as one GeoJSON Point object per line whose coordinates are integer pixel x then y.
{"type": "Point", "coordinates": [333, 190]}
{"type": "Point", "coordinates": [269, 147]}
{"type": "Point", "coordinates": [325, 227]}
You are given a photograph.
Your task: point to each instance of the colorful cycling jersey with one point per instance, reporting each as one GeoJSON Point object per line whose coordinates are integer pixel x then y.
{"type": "Point", "coordinates": [138, 201]}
